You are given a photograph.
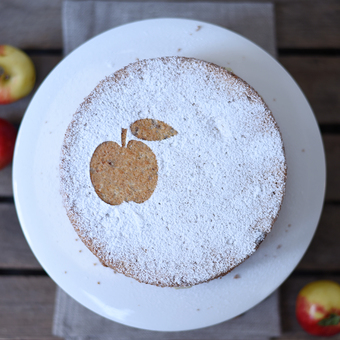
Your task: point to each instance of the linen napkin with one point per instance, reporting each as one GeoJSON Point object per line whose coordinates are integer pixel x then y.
{"type": "Point", "coordinates": [83, 20]}
{"type": "Point", "coordinates": [72, 321]}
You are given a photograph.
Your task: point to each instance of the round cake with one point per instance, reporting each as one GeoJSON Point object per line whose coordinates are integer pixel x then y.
{"type": "Point", "coordinates": [173, 171]}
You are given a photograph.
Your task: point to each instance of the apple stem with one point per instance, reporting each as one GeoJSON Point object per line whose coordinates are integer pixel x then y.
{"type": "Point", "coordinates": [124, 131]}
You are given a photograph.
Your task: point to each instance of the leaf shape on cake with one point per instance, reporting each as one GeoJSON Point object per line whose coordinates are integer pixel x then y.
{"type": "Point", "coordinates": [152, 129]}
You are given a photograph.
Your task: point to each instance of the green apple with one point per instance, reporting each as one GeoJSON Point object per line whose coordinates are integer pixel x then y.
{"type": "Point", "coordinates": [17, 74]}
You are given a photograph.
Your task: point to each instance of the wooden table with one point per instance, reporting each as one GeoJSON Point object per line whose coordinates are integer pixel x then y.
{"type": "Point", "coordinates": [308, 37]}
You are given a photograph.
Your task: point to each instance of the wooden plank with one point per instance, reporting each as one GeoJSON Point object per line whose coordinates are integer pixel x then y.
{"type": "Point", "coordinates": [26, 306]}
{"type": "Point", "coordinates": [319, 79]}
{"type": "Point", "coordinates": [332, 149]}
{"type": "Point", "coordinates": [324, 252]}
{"type": "Point", "coordinates": [43, 65]}
{"type": "Point", "coordinates": [6, 181]}
{"type": "Point", "coordinates": [304, 336]}
{"type": "Point", "coordinates": [300, 24]}
{"type": "Point", "coordinates": [15, 252]}
{"type": "Point", "coordinates": [299, 336]}
{"type": "Point", "coordinates": [31, 24]}
{"type": "Point", "coordinates": [33, 338]}
{"type": "Point", "coordinates": [308, 24]}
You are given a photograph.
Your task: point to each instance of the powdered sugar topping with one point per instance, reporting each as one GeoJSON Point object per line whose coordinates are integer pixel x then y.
{"type": "Point", "coordinates": [221, 180]}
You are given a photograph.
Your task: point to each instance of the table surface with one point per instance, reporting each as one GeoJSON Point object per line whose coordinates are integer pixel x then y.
{"type": "Point", "coordinates": [308, 39]}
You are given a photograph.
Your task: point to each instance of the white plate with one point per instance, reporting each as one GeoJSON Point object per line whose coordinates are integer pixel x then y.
{"type": "Point", "coordinates": [51, 236]}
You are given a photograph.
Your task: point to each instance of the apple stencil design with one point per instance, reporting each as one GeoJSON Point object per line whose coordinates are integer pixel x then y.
{"type": "Point", "coordinates": [128, 172]}
{"type": "Point", "coordinates": [176, 212]}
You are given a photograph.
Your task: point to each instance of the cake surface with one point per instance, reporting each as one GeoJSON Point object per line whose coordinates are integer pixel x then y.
{"type": "Point", "coordinates": [221, 176]}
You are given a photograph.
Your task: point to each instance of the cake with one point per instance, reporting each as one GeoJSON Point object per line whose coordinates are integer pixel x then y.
{"type": "Point", "coordinates": [172, 171]}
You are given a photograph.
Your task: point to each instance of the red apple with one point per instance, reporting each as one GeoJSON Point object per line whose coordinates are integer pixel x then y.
{"type": "Point", "coordinates": [318, 308]}
{"type": "Point", "coordinates": [17, 74]}
{"type": "Point", "coordinates": [8, 135]}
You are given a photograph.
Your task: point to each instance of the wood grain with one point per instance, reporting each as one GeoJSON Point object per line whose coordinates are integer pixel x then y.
{"type": "Point", "coordinates": [323, 253]}
{"type": "Point", "coordinates": [26, 307]}
{"type": "Point", "coordinates": [308, 24]}
{"type": "Point", "coordinates": [6, 181]}
{"type": "Point", "coordinates": [15, 252]}
{"type": "Point", "coordinates": [332, 149]}
{"type": "Point", "coordinates": [319, 79]}
{"type": "Point", "coordinates": [33, 338]}
{"type": "Point", "coordinates": [31, 24]}
{"type": "Point", "coordinates": [300, 24]}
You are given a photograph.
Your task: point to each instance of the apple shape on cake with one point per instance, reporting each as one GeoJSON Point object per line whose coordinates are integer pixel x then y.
{"type": "Point", "coordinates": [173, 171]}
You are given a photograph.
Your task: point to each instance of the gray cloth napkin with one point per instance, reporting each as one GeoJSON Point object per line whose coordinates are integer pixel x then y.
{"type": "Point", "coordinates": [72, 321]}
{"type": "Point", "coordinates": [81, 21]}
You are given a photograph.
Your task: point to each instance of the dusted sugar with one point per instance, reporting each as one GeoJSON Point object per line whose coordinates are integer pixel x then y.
{"type": "Point", "coordinates": [221, 178]}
